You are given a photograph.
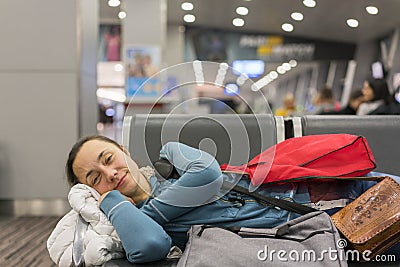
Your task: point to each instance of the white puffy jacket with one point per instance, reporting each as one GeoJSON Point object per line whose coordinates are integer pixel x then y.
{"type": "Point", "coordinates": [101, 240]}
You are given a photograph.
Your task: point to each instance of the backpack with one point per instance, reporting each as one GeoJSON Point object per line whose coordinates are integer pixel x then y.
{"type": "Point", "coordinates": [312, 156]}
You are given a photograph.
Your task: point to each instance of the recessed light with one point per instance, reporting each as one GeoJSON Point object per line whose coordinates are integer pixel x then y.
{"type": "Point", "coordinates": [242, 10]}
{"type": "Point", "coordinates": [189, 18]}
{"type": "Point", "coordinates": [122, 14]}
{"type": "Point", "coordinates": [254, 87]}
{"type": "Point", "coordinates": [114, 3]}
{"type": "Point", "coordinates": [118, 67]}
{"type": "Point", "coordinates": [372, 10]}
{"type": "Point", "coordinates": [309, 3]}
{"type": "Point", "coordinates": [286, 66]}
{"type": "Point", "coordinates": [238, 22]}
{"type": "Point", "coordinates": [273, 74]}
{"type": "Point", "coordinates": [187, 6]}
{"type": "Point", "coordinates": [297, 16]}
{"type": "Point", "coordinates": [293, 63]}
{"type": "Point", "coordinates": [352, 23]}
{"type": "Point", "coordinates": [280, 70]}
{"type": "Point", "coordinates": [287, 27]}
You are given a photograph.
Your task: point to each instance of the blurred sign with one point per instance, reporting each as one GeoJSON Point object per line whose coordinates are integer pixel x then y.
{"type": "Point", "coordinates": [142, 65]}
{"type": "Point", "coordinates": [213, 45]}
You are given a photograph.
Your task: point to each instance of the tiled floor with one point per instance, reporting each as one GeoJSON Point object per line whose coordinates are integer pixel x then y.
{"type": "Point", "coordinates": [4, 219]}
{"type": "Point", "coordinates": [23, 240]}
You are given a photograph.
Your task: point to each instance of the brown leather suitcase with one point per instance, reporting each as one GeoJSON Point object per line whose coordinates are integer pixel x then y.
{"type": "Point", "coordinates": [372, 221]}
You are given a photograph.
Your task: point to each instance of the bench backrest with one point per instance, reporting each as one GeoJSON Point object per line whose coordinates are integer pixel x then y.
{"type": "Point", "coordinates": [381, 132]}
{"type": "Point", "coordinates": [235, 139]}
{"type": "Point", "coordinates": [231, 138]}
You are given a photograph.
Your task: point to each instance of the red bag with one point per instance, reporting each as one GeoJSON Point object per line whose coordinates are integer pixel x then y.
{"type": "Point", "coordinates": [296, 159]}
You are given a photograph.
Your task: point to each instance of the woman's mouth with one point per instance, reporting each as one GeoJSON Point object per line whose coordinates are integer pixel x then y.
{"type": "Point", "coordinates": [121, 181]}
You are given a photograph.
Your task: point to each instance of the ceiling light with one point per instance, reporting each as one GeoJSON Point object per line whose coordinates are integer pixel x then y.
{"type": "Point", "coordinates": [372, 10]}
{"type": "Point", "coordinates": [273, 74]}
{"type": "Point", "coordinates": [118, 67]}
{"type": "Point", "coordinates": [287, 27]}
{"type": "Point", "coordinates": [293, 63]}
{"type": "Point", "coordinates": [352, 23]}
{"type": "Point", "coordinates": [187, 6]}
{"type": "Point", "coordinates": [242, 79]}
{"type": "Point", "coordinates": [114, 3]}
{"type": "Point", "coordinates": [238, 22]}
{"type": "Point", "coordinates": [309, 3]}
{"type": "Point", "coordinates": [242, 10]}
{"type": "Point", "coordinates": [280, 70]}
{"type": "Point", "coordinates": [122, 14]}
{"type": "Point", "coordinates": [297, 16]}
{"type": "Point", "coordinates": [189, 18]}
{"type": "Point", "coordinates": [111, 94]}
{"type": "Point", "coordinates": [254, 87]}
{"type": "Point", "coordinates": [286, 66]}
{"type": "Point", "coordinates": [232, 88]}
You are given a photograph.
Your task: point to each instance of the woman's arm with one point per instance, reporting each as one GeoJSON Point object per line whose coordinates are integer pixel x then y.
{"type": "Point", "coordinates": [200, 181]}
{"type": "Point", "coordinates": [143, 239]}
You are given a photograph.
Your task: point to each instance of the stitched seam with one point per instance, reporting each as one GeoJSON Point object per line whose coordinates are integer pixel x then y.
{"type": "Point", "coordinates": [111, 210]}
{"type": "Point", "coordinates": [159, 212]}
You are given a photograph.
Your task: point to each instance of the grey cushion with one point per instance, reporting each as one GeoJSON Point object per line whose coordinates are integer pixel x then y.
{"type": "Point", "coordinates": [381, 132]}
{"type": "Point", "coordinates": [233, 139]}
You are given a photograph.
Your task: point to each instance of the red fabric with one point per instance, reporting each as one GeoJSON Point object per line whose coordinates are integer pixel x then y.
{"type": "Point", "coordinates": [341, 155]}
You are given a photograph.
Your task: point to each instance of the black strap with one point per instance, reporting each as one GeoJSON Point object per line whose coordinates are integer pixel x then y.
{"type": "Point", "coordinates": [281, 203]}
{"type": "Point", "coordinates": [167, 170]}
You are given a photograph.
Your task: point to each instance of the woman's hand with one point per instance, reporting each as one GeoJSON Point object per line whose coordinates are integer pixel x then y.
{"type": "Point", "coordinates": [130, 200]}
{"type": "Point", "coordinates": [103, 196]}
{"type": "Point", "coordinates": [106, 193]}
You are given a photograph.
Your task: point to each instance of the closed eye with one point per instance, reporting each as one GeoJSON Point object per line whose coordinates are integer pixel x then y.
{"type": "Point", "coordinates": [96, 179]}
{"type": "Point", "coordinates": [108, 159]}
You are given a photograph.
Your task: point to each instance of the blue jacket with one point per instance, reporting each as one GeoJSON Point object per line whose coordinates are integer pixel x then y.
{"type": "Point", "coordinates": [150, 228]}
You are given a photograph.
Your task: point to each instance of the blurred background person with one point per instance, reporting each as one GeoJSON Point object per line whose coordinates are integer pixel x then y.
{"type": "Point", "coordinates": [375, 95]}
{"type": "Point", "coordinates": [392, 108]}
{"type": "Point", "coordinates": [355, 100]}
{"type": "Point", "coordinates": [324, 102]}
{"type": "Point", "coordinates": [289, 106]}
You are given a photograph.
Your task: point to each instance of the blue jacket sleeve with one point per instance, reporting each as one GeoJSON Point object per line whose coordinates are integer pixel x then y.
{"type": "Point", "coordinates": [143, 239]}
{"type": "Point", "coordinates": [200, 182]}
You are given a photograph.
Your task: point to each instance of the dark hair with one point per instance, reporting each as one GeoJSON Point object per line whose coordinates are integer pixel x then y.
{"type": "Point", "coordinates": [356, 94]}
{"type": "Point", "coordinates": [326, 93]}
{"type": "Point", "coordinates": [71, 177]}
{"type": "Point", "coordinates": [381, 90]}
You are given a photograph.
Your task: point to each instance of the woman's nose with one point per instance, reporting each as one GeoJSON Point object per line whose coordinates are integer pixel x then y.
{"type": "Point", "coordinates": [111, 174]}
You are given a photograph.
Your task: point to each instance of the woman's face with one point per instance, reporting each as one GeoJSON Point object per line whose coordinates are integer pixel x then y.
{"type": "Point", "coordinates": [367, 92]}
{"type": "Point", "coordinates": [104, 166]}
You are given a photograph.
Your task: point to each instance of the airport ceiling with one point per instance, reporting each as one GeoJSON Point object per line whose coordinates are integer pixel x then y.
{"type": "Point", "coordinates": [326, 21]}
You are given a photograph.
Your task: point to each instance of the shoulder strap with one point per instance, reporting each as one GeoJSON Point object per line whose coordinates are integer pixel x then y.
{"type": "Point", "coordinates": [166, 170]}
{"type": "Point", "coordinates": [281, 203]}
{"type": "Point", "coordinates": [289, 205]}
